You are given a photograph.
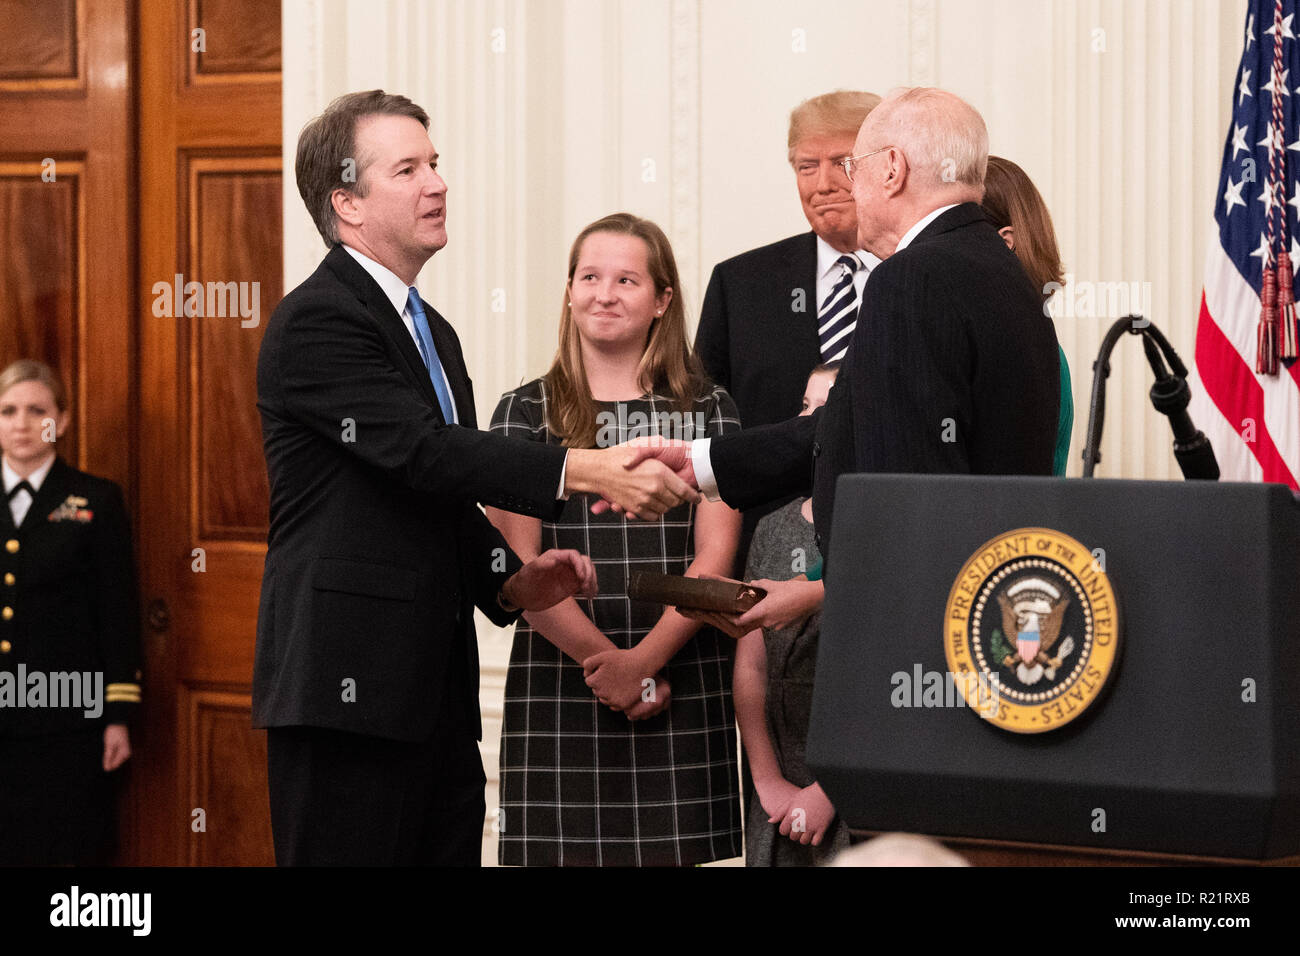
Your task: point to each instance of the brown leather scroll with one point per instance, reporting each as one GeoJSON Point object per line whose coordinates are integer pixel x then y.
{"type": "Point", "coordinates": [703, 594]}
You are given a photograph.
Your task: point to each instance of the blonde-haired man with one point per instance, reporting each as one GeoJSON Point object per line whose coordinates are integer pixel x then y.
{"type": "Point", "coordinates": [954, 368]}
{"type": "Point", "coordinates": [773, 314]}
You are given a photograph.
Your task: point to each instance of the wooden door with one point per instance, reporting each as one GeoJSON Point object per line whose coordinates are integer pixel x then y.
{"type": "Point", "coordinates": [65, 183]}
{"type": "Point", "coordinates": [209, 212]}
{"type": "Point", "coordinates": [66, 194]}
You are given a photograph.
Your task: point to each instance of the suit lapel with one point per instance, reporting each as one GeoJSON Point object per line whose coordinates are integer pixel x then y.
{"type": "Point", "coordinates": [802, 274]}
{"type": "Point", "coordinates": [453, 363]}
{"type": "Point", "coordinates": [390, 323]}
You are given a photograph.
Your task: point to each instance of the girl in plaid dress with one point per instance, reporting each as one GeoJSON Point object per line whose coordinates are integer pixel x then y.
{"type": "Point", "coordinates": [618, 745]}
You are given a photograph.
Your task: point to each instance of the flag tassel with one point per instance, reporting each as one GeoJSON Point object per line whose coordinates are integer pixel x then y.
{"type": "Point", "coordinates": [1286, 345]}
{"type": "Point", "coordinates": [1266, 354]}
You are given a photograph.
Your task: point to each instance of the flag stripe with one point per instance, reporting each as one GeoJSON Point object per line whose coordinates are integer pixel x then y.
{"type": "Point", "coordinates": [1232, 385]}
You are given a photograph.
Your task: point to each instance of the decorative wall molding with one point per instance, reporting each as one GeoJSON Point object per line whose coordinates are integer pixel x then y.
{"type": "Point", "coordinates": [542, 135]}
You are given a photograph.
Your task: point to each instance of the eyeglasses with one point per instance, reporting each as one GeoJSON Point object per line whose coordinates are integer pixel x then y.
{"type": "Point", "coordinates": [848, 162]}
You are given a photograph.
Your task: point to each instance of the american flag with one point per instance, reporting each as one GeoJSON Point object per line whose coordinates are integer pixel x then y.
{"type": "Point", "coordinates": [1252, 416]}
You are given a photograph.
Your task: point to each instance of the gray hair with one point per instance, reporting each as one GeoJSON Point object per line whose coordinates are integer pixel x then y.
{"type": "Point", "coordinates": [943, 137]}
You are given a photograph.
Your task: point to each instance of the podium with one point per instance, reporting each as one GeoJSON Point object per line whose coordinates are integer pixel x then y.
{"type": "Point", "coordinates": [1190, 750]}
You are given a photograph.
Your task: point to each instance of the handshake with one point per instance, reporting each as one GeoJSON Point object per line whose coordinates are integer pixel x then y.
{"type": "Point", "coordinates": [643, 478]}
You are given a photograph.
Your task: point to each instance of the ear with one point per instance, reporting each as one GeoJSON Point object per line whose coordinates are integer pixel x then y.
{"type": "Point", "coordinates": [346, 207]}
{"type": "Point", "coordinates": [60, 424]}
{"type": "Point", "coordinates": [662, 300]}
{"type": "Point", "coordinates": [896, 172]}
{"type": "Point", "coordinates": [1008, 235]}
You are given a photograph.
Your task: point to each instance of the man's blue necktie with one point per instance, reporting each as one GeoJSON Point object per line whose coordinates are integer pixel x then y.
{"type": "Point", "coordinates": [429, 353]}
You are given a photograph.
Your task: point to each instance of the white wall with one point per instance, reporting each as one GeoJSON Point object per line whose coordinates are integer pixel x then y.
{"type": "Point", "coordinates": [551, 113]}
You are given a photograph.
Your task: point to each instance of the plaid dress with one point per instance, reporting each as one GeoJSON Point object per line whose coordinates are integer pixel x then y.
{"type": "Point", "coordinates": [581, 784]}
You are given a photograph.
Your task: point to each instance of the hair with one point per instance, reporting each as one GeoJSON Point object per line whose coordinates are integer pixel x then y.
{"type": "Point", "coordinates": [832, 114]}
{"type": "Point", "coordinates": [943, 137]}
{"type": "Point", "coordinates": [667, 364]}
{"type": "Point", "coordinates": [827, 368]}
{"type": "Point", "coordinates": [328, 144]}
{"type": "Point", "coordinates": [1011, 199]}
{"type": "Point", "coordinates": [899, 849]}
{"type": "Point", "coordinates": [30, 370]}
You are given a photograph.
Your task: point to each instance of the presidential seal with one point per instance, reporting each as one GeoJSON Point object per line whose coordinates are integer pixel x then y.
{"type": "Point", "coordinates": [1031, 630]}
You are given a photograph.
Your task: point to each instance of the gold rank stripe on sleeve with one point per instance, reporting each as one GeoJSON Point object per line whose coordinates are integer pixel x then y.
{"type": "Point", "coordinates": [125, 693]}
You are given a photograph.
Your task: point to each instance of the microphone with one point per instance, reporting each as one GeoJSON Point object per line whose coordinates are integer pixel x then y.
{"type": "Point", "coordinates": [1170, 395]}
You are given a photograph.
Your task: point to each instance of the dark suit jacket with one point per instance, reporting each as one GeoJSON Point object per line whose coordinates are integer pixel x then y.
{"type": "Point", "coordinates": [953, 369]}
{"type": "Point", "coordinates": [754, 344]}
{"type": "Point", "coordinates": [377, 552]}
{"type": "Point", "coordinates": [67, 581]}
{"type": "Point", "coordinates": [751, 340]}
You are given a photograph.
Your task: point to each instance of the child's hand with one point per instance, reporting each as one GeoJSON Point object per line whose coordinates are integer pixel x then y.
{"type": "Point", "coordinates": [615, 677]}
{"type": "Point", "coordinates": [775, 795]}
{"type": "Point", "coordinates": [656, 704]}
{"type": "Point", "coordinates": [808, 816]}
{"type": "Point", "coordinates": [786, 602]}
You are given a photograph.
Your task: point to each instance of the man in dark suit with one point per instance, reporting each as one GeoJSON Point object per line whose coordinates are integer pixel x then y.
{"type": "Point", "coordinates": [953, 367]}
{"type": "Point", "coordinates": [366, 671]}
{"type": "Point", "coordinates": [773, 314]}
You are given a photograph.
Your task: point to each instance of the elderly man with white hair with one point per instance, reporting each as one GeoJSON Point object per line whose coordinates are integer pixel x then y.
{"type": "Point", "coordinates": [953, 368]}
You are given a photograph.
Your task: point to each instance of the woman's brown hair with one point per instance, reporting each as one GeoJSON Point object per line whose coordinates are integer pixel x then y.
{"type": "Point", "coordinates": [1011, 199]}
{"type": "Point", "coordinates": [668, 365]}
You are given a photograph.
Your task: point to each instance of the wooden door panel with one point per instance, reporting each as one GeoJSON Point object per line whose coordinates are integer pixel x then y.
{"type": "Point", "coordinates": [42, 292]}
{"type": "Point", "coordinates": [210, 127]}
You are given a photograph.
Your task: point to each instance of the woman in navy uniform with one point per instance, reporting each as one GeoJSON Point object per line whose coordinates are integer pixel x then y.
{"type": "Point", "coordinates": [69, 641]}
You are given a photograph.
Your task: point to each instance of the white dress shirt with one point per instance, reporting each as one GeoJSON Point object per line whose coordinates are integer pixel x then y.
{"type": "Point", "coordinates": [396, 291]}
{"type": "Point", "coordinates": [700, 459]}
{"type": "Point", "coordinates": [20, 502]}
{"type": "Point", "coordinates": [829, 269]}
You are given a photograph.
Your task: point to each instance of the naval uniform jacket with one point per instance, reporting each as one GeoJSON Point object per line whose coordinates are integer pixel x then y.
{"type": "Point", "coordinates": [68, 600]}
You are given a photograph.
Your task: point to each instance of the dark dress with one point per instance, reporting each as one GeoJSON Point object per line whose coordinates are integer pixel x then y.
{"type": "Point", "coordinates": [69, 607]}
{"type": "Point", "coordinates": [580, 783]}
{"type": "Point", "coordinates": [783, 547]}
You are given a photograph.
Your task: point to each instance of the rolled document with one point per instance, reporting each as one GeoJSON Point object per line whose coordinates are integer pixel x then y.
{"type": "Point", "coordinates": [702, 594]}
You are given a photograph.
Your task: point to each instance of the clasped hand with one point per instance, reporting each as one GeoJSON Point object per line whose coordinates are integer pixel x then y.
{"type": "Point", "coordinates": [662, 473]}
{"type": "Point", "coordinates": [620, 679]}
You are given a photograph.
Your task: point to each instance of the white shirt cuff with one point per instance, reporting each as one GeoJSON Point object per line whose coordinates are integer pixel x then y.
{"type": "Point", "coordinates": [559, 492]}
{"type": "Point", "coordinates": [704, 469]}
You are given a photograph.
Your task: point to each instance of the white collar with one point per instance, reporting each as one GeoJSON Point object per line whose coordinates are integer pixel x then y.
{"type": "Point", "coordinates": [394, 289]}
{"type": "Point", "coordinates": [828, 256]}
{"type": "Point", "coordinates": [921, 224]}
{"type": "Point", "coordinates": [35, 479]}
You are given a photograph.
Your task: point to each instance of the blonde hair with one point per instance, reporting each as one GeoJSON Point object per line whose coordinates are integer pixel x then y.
{"type": "Point", "coordinates": [839, 113]}
{"type": "Point", "coordinates": [30, 370]}
{"type": "Point", "coordinates": [667, 363]}
{"type": "Point", "coordinates": [943, 137]}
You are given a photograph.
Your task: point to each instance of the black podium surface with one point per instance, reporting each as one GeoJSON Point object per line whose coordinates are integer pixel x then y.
{"type": "Point", "coordinates": [1194, 747]}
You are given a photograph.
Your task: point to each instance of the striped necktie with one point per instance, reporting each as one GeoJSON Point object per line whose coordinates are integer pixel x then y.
{"type": "Point", "coordinates": [428, 352]}
{"type": "Point", "coordinates": [839, 313]}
